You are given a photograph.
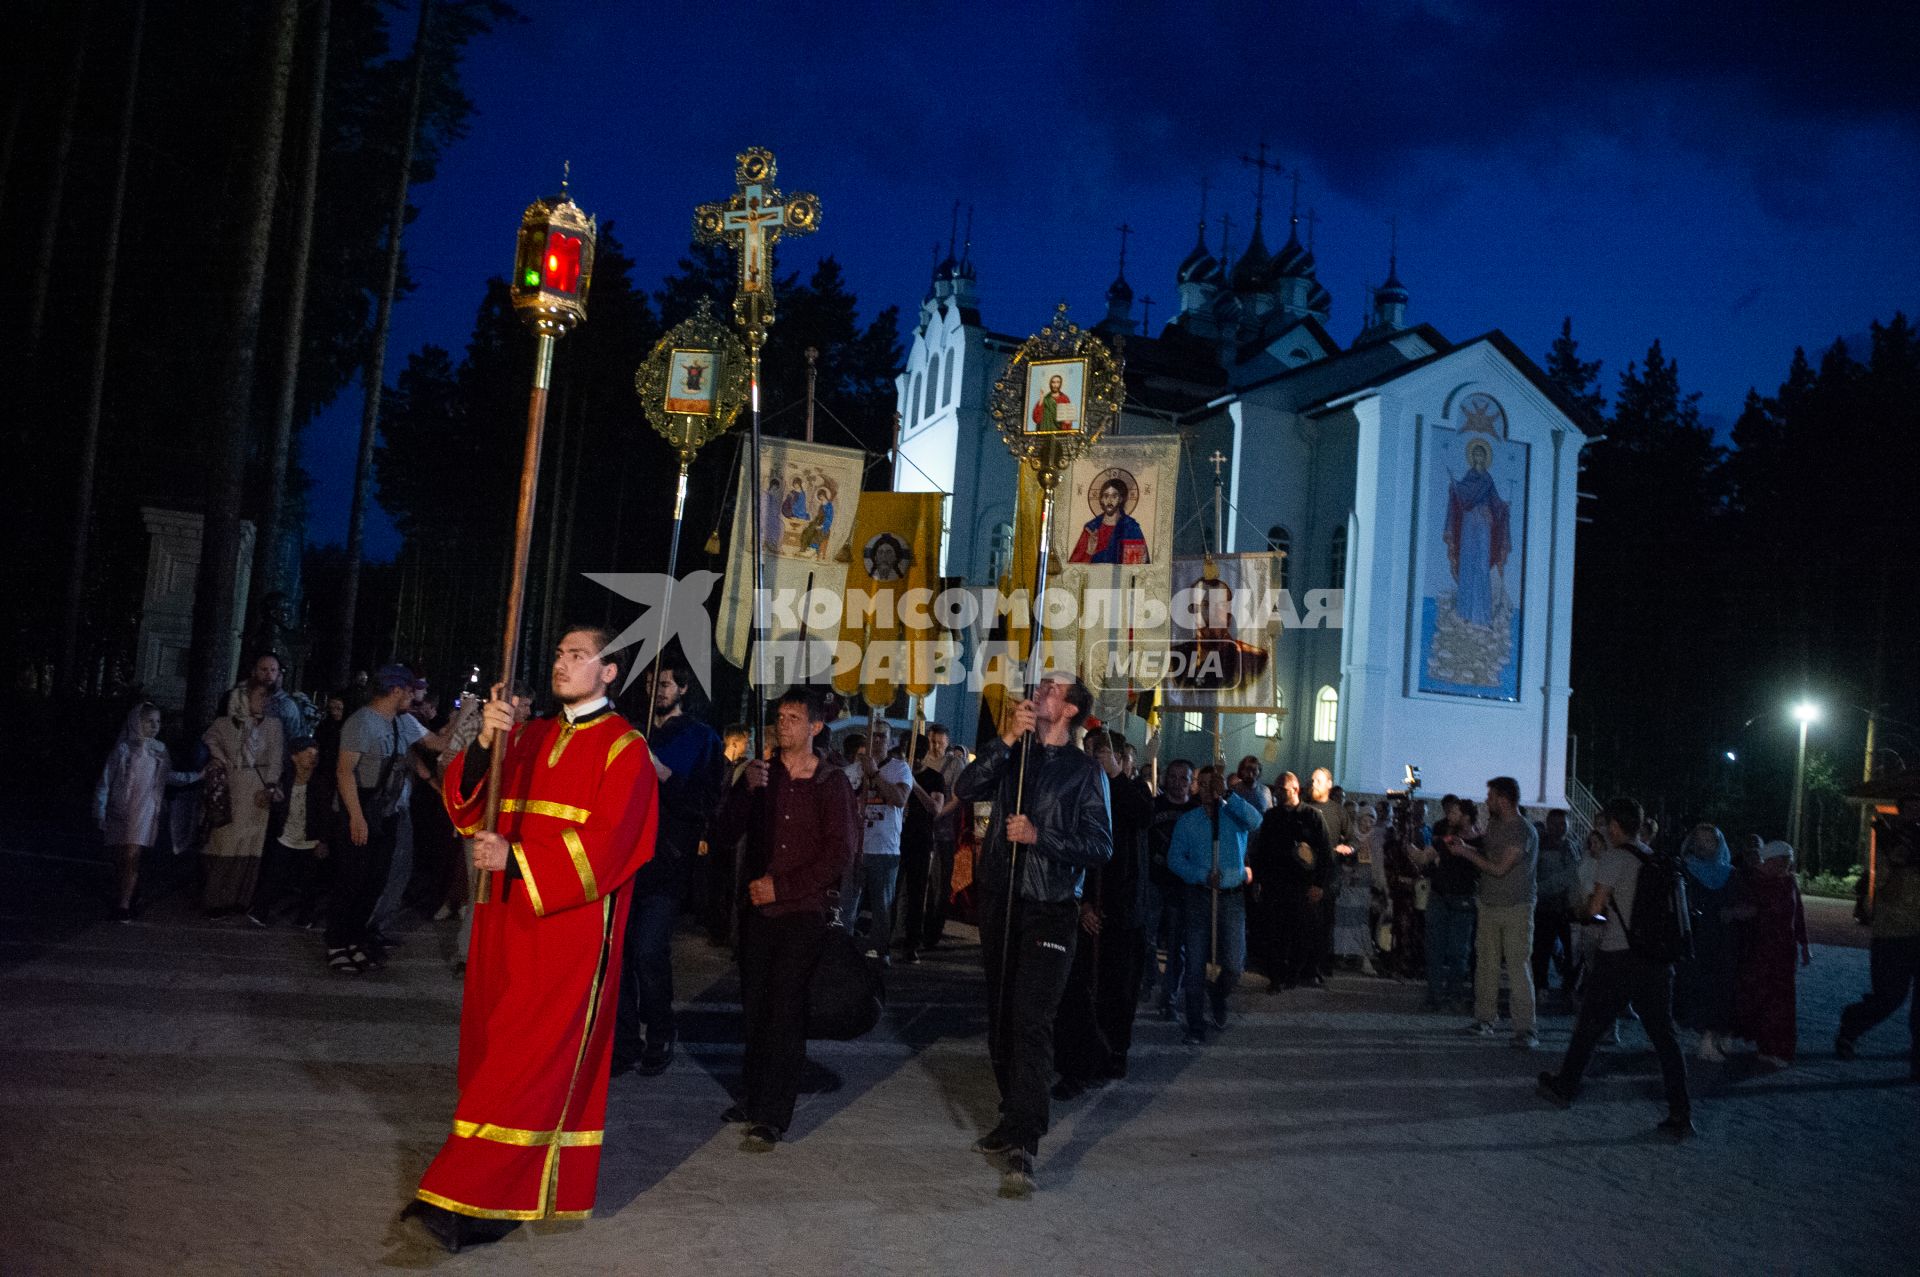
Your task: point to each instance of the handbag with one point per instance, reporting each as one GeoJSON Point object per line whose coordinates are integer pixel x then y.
{"type": "Point", "coordinates": [217, 799]}
{"type": "Point", "coordinates": [846, 994]}
{"type": "Point", "coordinates": [1383, 937]}
{"type": "Point", "coordinates": [1422, 890]}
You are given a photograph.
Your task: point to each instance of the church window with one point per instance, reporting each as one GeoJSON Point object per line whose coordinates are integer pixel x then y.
{"type": "Point", "coordinates": [1190, 721]}
{"type": "Point", "coordinates": [933, 376]}
{"type": "Point", "coordinates": [913, 400]}
{"type": "Point", "coordinates": [1280, 541]}
{"type": "Point", "coordinates": [1326, 714]}
{"type": "Point", "coordinates": [1339, 557]}
{"type": "Point", "coordinates": [946, 384]}
{"type": "Point", "coordinates": [1266, 726]}
{"type": "Point", "coordinates": [1000, 551]}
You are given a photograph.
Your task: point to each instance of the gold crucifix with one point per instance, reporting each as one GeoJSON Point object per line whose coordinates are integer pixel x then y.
{"type": "Point", "coordinates": [751, 223]}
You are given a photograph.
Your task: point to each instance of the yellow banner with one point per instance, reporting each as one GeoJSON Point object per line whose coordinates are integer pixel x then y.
{"type": "Point", "coordinates": [892, 574]}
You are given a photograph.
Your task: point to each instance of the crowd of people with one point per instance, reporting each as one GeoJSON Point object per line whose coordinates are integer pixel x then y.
{"type": "Point", "coordinates": [1102, 880]}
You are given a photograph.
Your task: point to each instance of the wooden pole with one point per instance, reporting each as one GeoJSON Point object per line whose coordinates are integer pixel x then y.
{"type": "Point", "coordinates": [522, 546]}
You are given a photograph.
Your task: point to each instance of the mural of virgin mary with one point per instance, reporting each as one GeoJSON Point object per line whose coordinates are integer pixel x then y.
{"type": "Point", "coordinates": [1479, 537]}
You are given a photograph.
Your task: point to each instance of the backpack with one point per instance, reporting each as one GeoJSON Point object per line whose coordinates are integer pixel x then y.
{"type": "Point", "coordinates": [1661, 927]}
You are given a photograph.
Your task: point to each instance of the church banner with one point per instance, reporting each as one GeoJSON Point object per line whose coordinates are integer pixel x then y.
{"type": "Point", "coordinates": [808, 501]}
{"type": "Point", "coordinates": [1112, 536]}
{"type": "Point", "coordinates": [1225, 625]}
{"type": "Point", "coordinates": [886, 619]}
{"type": "Point", "coordinates": [1471, 548]}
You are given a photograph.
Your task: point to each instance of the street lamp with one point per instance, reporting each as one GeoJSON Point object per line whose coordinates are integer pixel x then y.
{"type": "Point", "coordinates": [1805, 712]}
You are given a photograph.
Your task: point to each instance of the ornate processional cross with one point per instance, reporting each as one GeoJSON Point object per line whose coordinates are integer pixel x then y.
{"type": "Point", "coordinates": [751, 223]}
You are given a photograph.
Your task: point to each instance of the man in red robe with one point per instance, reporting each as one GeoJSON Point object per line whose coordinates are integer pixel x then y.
{"type": "Point", "coordinates": [579, 802]}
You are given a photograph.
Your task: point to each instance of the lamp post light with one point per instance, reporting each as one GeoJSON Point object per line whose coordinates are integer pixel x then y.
{"type": "Point", "coordinates": [1805, 712]}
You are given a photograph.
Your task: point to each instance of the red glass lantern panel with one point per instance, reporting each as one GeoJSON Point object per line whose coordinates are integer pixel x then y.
{"type": "Point", "coordinates": [562, 265]}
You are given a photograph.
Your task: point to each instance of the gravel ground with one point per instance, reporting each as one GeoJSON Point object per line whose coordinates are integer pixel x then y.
{"type": "Point", "coordinates": [184, 1097]}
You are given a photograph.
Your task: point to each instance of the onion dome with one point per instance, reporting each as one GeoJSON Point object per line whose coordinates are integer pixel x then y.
{"type": "Point", "coordinates": [1250, 272]}
{"type": "Point", "coordinates": [1200, 267]}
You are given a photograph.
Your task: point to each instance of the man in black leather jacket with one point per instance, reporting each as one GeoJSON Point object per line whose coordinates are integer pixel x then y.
{"type": "Point", "coordinates": [1030, 872]}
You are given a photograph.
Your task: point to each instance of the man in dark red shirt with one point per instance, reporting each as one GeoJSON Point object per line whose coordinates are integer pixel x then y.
{"type": "Point", "coordinates": [797, 812]}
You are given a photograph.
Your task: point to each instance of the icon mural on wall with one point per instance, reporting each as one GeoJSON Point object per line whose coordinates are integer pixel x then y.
{"type": "Point", "coordinates": [1473, 551]}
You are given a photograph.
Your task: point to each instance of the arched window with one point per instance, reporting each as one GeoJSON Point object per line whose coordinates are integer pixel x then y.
{"type": "Point", "coordinates": [913, 401]}
{"type": "Point", "coordinates": [1339, 563]}
{"type": "Point", "coordinates": [1326, 714]}
{"type": "Point", "coordinates": [946, 383]}
{"type": "Point", "coordinates": [1000, 552]}
{"type": "Point", "coordinates": [1281, 541]}
{"type": "Point", "coordinates": [933, 376]}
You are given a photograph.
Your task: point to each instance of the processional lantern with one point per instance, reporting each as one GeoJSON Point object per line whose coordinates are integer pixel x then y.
{"type": "Point", "coordinates": [553, 264]}
{"type": "Point", "coordinates": [552, 267]}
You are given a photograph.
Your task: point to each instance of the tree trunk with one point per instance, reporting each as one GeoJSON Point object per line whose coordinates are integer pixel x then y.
{"type": "Point", "coordinates": [376, 369]}
{"type": "Point", "coordinates": [268, 565]}
{"type": "Point", "coordinates": [215, 601]}
{"type": "Point", "coordinates": [96, 388]}
{"type": "Point", "coordinates": [56, 190]}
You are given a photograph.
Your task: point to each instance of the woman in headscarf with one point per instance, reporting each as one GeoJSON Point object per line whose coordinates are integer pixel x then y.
{"type": "Point", "coordinates": [1703, 988]}
{"type": "Point", "coordinates": [1776, 925]}
{"type": "Point", "coordinates": [130, 797]}
{"type": "Point", "coordinates": [250, 745]}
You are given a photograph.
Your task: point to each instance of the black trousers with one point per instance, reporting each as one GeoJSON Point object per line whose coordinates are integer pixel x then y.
{"type": "Point", "coordinates": [1027, 967]}
{"type": "Point", "coordinates": [1893, 967]}
{"type": "Point", "coordinates": [1552, 924]}
{"type": "Point", "coordinates": [1618, 979]}
{"type": "Point", "coordinates": [1303, 934]}
{"type": "Point", "coordinates": [777, 958]}
{"type": "Point", "coordinates": [916, 873]}
{"type": "Point", "coordinates": [359, 877]}
{"type": "Point", "coordinates": [1081, 1051]}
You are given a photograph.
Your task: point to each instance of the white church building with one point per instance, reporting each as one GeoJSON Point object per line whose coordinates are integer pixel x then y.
{"type": "Point", "coordinates": [1428, 485]}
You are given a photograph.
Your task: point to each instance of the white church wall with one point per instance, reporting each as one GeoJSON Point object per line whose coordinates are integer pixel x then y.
{"type": "Point", "coordinates": [1457, 740]}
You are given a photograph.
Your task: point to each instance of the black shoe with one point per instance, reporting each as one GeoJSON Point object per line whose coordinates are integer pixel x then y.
{"type": "Point", "coordinates": [452, 1231]}
{"type": "Point", "coordinates": [119, 913]}
{"type": "Point", "coordinates": [1068, 1089]}
{"type": "Point", "coordinates": [909, 956]}
{"type": "Point", "coordinates": [654, 1060]}
{"type": "Point", "coordinates": [1193, 1037]}
{"type": "Point", "coordinates": [342, 962]}
{"type": "Point", "coordinates": [1843, 1048]}
{"type": "Point", "coordinates": [1017, 1180]}
{"type": "Point", "coordinates": [1551, 1091]}
{"type": "Point", "coordinates": [735, 1113]}
{"type": "Point", "coordinates": [1678, 1127]}
{"type": "Point", "coordinates": [994, 1142]}
{"type": "Point", "coordinates": [760, 1139]}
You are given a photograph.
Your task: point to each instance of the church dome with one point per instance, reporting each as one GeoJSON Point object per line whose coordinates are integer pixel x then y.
{"type": "Point", "coordinates": [1250, 272]}
{"type": "Point", "coordinates": [1393, 290]}
{"type": "Point", "coordinates": [1200, 267]}
{"type": "Point", "coordinates": [1120, 290]}
{"type": "Point", "coordinates": [946, 270]}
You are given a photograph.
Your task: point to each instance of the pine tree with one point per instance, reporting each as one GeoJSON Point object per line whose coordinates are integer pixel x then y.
{"type": "Point", "coordinates": [1580, 378]}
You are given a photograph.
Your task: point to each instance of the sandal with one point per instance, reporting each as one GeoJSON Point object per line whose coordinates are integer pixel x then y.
{"type": "Point", "coordinates": [341, 962]}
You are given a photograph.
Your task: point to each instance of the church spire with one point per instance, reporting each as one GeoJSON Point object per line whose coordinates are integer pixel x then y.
{"type": "Point", "coordinates": [1119, 318]}
{"type": "Point", "coordinates": [1390, 299]}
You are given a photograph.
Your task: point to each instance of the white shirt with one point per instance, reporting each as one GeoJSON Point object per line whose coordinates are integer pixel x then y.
{"type": "Point", "coordinates": [883, 820]}
{"type": "Point", "coordinates": [574, 713]}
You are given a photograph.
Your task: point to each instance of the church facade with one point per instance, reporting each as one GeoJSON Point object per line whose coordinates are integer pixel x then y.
{"type": "Point", "coordinates": [1419, 492]}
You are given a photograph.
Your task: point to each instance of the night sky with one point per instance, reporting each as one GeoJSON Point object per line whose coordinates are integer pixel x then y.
{"type": "Point", "coordinates": [1733, 185]}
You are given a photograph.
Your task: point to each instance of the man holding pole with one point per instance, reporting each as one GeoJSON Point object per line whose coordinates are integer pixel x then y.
{"type": "Point", "coordinates": [1049, 826]}
{"type": "Point", "coordinates": [1209, 856]}
{"type": "Point", "coordinates": [579, 803]}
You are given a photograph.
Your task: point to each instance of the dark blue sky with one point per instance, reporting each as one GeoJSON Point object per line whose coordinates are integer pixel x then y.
{"type": "Point", "coordinates": [1733, 184]}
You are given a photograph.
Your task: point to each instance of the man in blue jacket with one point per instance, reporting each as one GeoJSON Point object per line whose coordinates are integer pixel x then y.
{"type": "Point", "coordinates": [1209, 856]}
